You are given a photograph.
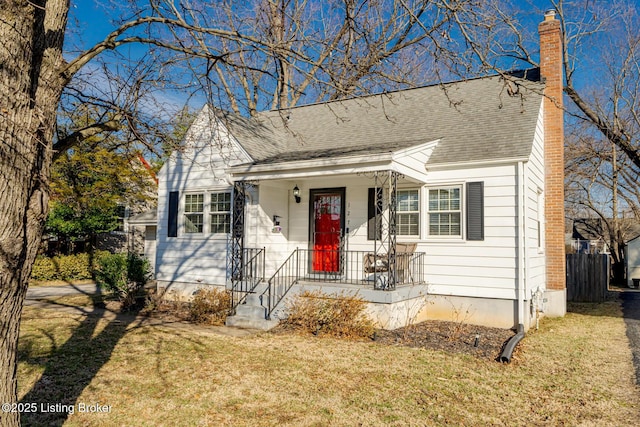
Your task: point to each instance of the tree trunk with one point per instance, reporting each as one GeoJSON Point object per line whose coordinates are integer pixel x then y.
{"type": "Point", "coordinates": [32, 34]}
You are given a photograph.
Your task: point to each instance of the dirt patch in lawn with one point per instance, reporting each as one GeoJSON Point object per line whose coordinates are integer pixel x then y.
{"type": "Point", "coordinates": [445, 336]}
{"type": "Point", "coordinates": [479, 341]}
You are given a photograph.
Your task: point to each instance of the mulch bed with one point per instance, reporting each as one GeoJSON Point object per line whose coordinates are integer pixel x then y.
{"type": "Point", "coordinates": [451, 337]}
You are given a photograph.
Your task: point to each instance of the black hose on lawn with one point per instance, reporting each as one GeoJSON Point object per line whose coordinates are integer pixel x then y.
{"type": "Point", "coordinates": [505, 357]}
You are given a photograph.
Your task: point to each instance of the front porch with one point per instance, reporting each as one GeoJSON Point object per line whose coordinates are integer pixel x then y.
{"type": "Point", "coordinates": [364, 273]}
{"type": "Point", "coordinates": [392, 295]}
{"type": "Point", "coordinates": [357, 270]}
{"type": "Point", "coordinates": [341, 230]}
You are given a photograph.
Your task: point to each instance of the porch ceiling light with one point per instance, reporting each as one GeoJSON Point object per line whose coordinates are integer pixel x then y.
{"type": "Point", "coordinates": [296, 194]}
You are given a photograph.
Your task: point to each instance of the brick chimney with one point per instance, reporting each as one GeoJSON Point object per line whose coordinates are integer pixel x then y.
{"type": "Point", "coordinates": [551, 73]}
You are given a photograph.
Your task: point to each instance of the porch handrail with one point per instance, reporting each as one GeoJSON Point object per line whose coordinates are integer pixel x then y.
{"type": "Point", "coordinates": [282, 280]}
{"type": "Point", "coordinates": [362, 268]}
{"type": "Point", "coordinates": [252, 274]}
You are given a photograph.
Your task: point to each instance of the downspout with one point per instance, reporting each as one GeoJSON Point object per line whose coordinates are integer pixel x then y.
{"type": "Point", "coordinates": [520, 283]}
{"type": "Point", "coordinates": [525, 246]}
{"type": "Point", "coordinates": [522, 225]}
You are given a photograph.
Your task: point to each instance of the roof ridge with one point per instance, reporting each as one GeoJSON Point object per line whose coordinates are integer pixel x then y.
{"type": "Point", "coordinates": [530, 74]}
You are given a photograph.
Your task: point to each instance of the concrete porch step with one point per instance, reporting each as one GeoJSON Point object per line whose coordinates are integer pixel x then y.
{"type": "Point", "coordinates": [251, 314]}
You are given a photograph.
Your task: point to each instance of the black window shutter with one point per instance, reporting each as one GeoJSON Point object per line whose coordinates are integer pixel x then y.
{"type": "Point", "coordinates": [475, 210]}
{"type": "Point", "coordinates": [172, 225]}
{"type": "Point", "coordinates": [373, 198]}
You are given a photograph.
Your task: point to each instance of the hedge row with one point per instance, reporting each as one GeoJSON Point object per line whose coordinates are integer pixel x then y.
{"type": "Point", "coordinates": [66, 267]}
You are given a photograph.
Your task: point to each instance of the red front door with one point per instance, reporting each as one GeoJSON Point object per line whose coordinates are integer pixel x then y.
{"type": "Point", "coordinates": [326, 229]}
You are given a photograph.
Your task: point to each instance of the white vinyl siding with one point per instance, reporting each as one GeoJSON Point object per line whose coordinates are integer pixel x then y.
{"type": "Point", "coordinates": [445, 212]}
{"type": "Point", "coordinates": [479, 268]}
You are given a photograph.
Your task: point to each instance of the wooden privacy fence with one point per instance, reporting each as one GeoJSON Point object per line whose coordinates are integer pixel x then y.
{"type": "Point", "coordinates": [587, 277]}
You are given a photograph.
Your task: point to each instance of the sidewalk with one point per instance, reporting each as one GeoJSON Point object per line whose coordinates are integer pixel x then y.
{"type": "Point", "coordinates": [42, 292]}
{"type": "Point", "coordinates": [631, 313]}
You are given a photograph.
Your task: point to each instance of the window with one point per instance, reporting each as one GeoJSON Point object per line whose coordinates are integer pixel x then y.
{"type": "Point", "coordinates": [444, 212]}
{"type": "Point", "coordinates": [121, 213]}
{"type": "Point", "coordinates": [193, 213]}
{"type": "Point", "coordinates": [198, 207]}
{"type": "Point", "coordinates": [408, 213]}
{"type": "Point", "coordinates": [220, 212]}
{"type": "Point", "coordinates": [540, 220]}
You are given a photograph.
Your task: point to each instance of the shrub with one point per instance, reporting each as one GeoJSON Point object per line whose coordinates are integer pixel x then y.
{"type": "Point", "coordinates": [73, 267]}
{"type": "Point", "coordinates": [123, 276]}
{"type": "Point", "coordinates": [321, 314]}
{"type": "Point", "coordinates": [210, 306]}
{"type": "Point", "coordinates": [44, 269]}
{"type": "Point", "coordinates": [66, 267]}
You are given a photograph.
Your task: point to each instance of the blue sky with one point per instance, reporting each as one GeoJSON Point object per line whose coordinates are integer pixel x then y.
{"type": "Point", "coordinates": [92, 21]}
{"type": "Point", "coordinates": [93, 18]}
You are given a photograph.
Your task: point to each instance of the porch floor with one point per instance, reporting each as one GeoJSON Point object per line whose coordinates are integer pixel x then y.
{"type": "Point", "coordinates": [367, 293]}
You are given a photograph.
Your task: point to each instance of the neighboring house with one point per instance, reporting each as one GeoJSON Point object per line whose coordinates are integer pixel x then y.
{"type": "Point", "coordinates": [142, 235]}
{"type": "Point", "coordinates": [587, 236]}
{"type": "Point", "coordinates": [425, 202]}
{"type": "Point", "coordinates": [592, 235]}
{"type": "Point", "coordinates": [127, 237]}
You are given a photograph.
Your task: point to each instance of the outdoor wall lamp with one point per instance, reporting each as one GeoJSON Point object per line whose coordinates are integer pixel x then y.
{"type": "Point", "coordinates": [296, 194]}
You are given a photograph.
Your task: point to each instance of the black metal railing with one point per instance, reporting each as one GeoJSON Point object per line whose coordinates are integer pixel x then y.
{"type": "Point", "coordinates": [281, 281]}
{"type": "Point", "coordinates": [249, 276]}
{"type": "Point", "coordinates": [362, 268]}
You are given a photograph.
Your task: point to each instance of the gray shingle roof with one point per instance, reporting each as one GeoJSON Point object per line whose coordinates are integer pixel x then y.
{"type": "Point", "coordinates": [144, 218]}
{"type": "Point", "coordinates": [478, 119]}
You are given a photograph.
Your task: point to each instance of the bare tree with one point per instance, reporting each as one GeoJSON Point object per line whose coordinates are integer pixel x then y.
{"type": "Point", "coordinates": [601, 56]}
{"type": "Point", "coordinates": [320, 50]}
{"type": "Point", "coordinates": [601, 192]}
{"type": "Point", "coordinates": [601, 61]}
{"type": "Point", "coordinates": [247, 56]}
{"type": "Point", "coordinates": [602, 160]}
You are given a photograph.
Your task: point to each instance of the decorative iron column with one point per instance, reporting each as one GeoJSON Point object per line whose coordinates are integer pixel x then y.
{"type": "Point", "coordinates": [391, 235]}
{"type": "Point", "coordinates": [237, 232]}
{"type": "Point", "coordinates": [385, 222]}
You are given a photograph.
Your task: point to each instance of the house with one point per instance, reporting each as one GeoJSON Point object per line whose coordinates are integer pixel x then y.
{"type": "Point", "coordinates": [144, 225]}
{"type": "Point", "coordinates": [594, 234]}
{"type": "Point", "coordinates": [588, 236]}
{"type": "Point", "coordinates": [443, 201]}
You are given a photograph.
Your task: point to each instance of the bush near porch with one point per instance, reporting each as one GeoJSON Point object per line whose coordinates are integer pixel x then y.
{"type": "Point", "coordinates": [320, 314]}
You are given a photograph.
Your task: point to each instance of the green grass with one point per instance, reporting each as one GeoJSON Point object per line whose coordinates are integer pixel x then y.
{"type": "Point", "coordinates": [573, 371]}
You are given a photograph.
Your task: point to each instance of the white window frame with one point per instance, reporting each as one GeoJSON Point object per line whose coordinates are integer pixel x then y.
{"type": "Point", "coordinates": [460, 211]}
{"type": "Point", "coordinates": [193, 213]}
{"type": "Point", "coordinates": [206, 214]}
{"type": "Point", "coordinates": [123, 223]}
{"type": "Point", "coordinates": [540, 220]}
{"type": "Point", "coordinates": [409, 212]}
{"type": "Point", "coordinates": [214, 212]}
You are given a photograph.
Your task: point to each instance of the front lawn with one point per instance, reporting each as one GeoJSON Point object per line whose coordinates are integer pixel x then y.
{"type": "Point", "coordinates": [573, 371]}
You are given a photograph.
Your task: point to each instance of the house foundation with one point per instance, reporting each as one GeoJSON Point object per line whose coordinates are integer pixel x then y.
{"type": "Point", "coordinates": [403, 306]}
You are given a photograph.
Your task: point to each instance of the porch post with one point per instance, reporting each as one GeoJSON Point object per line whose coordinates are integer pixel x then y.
{"type": "Point", "coordinates": [391, 235]}
{"type": "Point", "coordinates": [386, 182]}
{"type": "Point", "coordinates": [237, 233]}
